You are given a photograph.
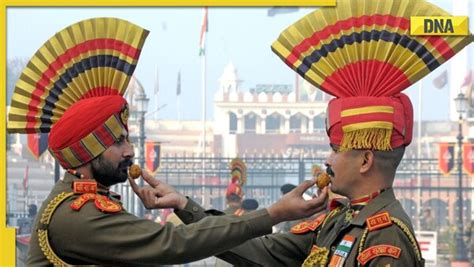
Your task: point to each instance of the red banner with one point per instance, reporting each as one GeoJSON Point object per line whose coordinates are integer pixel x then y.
{"type": "Point", "coordinates": [468, 158]}
{"type": "Point", "coordinates": [37, 143]}
{"type": "Point", "coordinates": [446, 157]}
{"type": "Point", "coordinates": [152, 155]}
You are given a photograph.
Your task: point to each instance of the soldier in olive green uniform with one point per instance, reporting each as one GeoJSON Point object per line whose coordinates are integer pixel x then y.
{"type": "Point", "coordinates": [94, 236]}
{"type": "Point", "coordinates": [82, 221]}
{"type": "Point", "coordinates": [388, 239]}
{"type": "Point", "coordinates": [361, 53]}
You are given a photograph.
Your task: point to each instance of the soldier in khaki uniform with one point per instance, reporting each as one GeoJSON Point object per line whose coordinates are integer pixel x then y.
{"type": "Point", "coordinates": [73, 88]}
{"type": "Point", "coordinates": [360, 52]}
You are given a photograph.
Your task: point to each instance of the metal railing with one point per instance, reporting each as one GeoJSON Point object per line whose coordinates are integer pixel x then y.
{"type": "Point", "coordinates": [267, 174]}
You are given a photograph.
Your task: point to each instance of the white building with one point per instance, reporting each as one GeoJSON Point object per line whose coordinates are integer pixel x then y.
{"type": "Point", "coordinates": [268, 119]}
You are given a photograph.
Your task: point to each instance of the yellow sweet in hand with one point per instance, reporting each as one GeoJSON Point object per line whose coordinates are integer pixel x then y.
{"type": "Point", "coordinates": [135, 171]}
{"type": "Point", "coordinates": [323, 180]}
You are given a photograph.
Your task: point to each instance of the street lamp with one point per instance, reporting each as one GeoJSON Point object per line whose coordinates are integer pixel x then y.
{"type": "Point", "coordinates": [461, 252]}
{"type": "Point", "coordinates": [141, 102]}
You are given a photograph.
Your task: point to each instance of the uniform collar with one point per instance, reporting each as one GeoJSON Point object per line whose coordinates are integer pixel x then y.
{"type": "Point", "coordinates": [69, 179]}
{"type": "Point", "coordinates": [337, 202]}
{"type": "Point", "coordinates": [363, 201]}
{"type": "Point", "coordinates": [381, 201]}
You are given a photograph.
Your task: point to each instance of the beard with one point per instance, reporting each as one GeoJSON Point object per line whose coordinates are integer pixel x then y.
{"type": "Point", "coordinates": [105, 173]}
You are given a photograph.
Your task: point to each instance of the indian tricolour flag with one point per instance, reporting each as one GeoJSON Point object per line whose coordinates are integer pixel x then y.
{"type": "Point", "coordinates": [342, 251]}
{"type": "Point", "coordinates": [202, 39]}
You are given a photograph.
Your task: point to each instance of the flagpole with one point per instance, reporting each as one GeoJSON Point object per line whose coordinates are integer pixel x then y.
{"type": "Point", "coordinates": [202, 53]}
{"type": "Point", "coordinates": [178, 108]}
{"type": "Point", "coordinates": [203, 134]}
{"type": "Point", "coordinates": [25, 197]}
{"type": "Point", "coordinates": [157, 90]}
{"type": "Point", "coordinates": [178, 94]}
{"type": "Point", "coordinates": [418, 144]}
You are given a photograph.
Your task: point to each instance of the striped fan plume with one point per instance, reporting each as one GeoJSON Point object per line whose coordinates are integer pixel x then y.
{"type": "Point", "coordinates": [238, 170]}
{"type": "Point", "coordinates": [94, 57]}
{"type": "Point", "coordinates": [363, 47]}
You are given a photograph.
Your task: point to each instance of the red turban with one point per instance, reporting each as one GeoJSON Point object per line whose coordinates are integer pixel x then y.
{"type": "Point", "coordinates": [87, 129]}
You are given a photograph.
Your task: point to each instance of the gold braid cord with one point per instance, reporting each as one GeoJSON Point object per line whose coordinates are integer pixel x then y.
{"type": "Point", "coordinates": [410, 236]}
{"type": "Point", "coordinates": [318, 257]}
{"type": "Point", "coordinates": [43, 233]}
{"type": "Point", "coordinates": [330, 215]}
{"type": "Point", "coordinates": [404, 229]}
{"type": "Point", "coordinates": [361, 244]}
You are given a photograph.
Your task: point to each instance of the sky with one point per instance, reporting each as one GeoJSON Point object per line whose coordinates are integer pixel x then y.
{"type": "Point", "coordinates": [239, 35]}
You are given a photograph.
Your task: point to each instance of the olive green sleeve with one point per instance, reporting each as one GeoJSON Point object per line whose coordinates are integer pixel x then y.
{"type": "Point", "coordinates": [392, 236]}
{"type": "Point", "coordinates": [193, 212]}
{"type": "Point", "coordinates": [95, 237]}
{"type": "Point", "coordinates": [285, 249]}
{"type": "Point", "coordinates": [272, 250]}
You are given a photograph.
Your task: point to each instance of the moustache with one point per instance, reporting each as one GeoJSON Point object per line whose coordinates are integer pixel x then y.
{"type": "Point", "coordinates": [329, 171]}
{"type": "Point", "coordinates": [125, 163]}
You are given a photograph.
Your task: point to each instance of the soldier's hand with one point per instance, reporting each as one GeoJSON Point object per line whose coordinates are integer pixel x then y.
{"type": "Point", "coordinates": [293, 206]}
{"type": "Point", "coordinates": [157, 194]}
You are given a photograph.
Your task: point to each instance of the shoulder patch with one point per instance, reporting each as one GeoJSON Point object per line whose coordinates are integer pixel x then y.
{"type": "Point", "coordinates": [104, 204]}
{"type": "Point", "coordinates": [378, 250]}
{"type": "Point", "coordinates": [378, 221]}
{"type": "Point", "coordinates": [307, 226]}
{"type": "Point", "coordinates": [81, 200]}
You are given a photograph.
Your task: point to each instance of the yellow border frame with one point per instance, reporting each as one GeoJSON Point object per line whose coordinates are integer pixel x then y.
{"type": "Point", "coordinates": [121, 3]}
{"type": "Point", "coordinates": [7, 235]}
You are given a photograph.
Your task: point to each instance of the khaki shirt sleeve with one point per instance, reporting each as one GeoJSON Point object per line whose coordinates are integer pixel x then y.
{"type": "Point", "coordinates": [392, 236]}
{"type": "Point", "coordinates": [273, 250]}
{"type": "Point", "coordinates": [95, 237]}
{"type": "Point", "coordinates": [285, 249]}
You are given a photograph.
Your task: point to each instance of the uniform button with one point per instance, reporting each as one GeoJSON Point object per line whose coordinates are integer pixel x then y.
{"type": "Point", "coordinates": [195, 209]}
{"type": "Point", "coordinates": [333, 248]}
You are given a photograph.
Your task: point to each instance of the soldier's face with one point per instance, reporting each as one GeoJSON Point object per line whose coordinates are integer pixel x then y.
{"type": "Point", "coordinates": [345, 171]}
{"type": "Point", "coordinates": [111, 166]}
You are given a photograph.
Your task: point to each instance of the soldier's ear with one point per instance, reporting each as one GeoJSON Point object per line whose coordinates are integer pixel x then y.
{"type": "Point", "coordinates": [367, 161]}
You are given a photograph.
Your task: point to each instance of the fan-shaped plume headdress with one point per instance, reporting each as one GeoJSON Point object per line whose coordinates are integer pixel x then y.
{"type": "Point", "coordinates": [72, 87]}
{"type": "Point", "coordinates": [238, 172]}
{"type": "Point", "coordinates": [361, 52]}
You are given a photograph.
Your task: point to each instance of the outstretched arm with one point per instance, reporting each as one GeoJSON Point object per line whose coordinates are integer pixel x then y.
{"type": "Point", "coordinates": [291, 206]}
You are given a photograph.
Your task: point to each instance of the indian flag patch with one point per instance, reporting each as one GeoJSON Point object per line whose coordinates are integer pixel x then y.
{"type": "Point", "coordinates": [342, 251]}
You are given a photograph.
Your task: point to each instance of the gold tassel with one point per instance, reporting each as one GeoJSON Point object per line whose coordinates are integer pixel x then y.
{"type": "Point", "coordinates": [372, 138]}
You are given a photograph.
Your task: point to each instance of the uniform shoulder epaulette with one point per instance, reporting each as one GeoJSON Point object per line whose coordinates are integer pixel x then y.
{"type": "Point", "coordinates": [306, 226]}
{"type": "Point", "coordinates": [87, 191]}
{"type": "Point", "coordinates": [102, 203]}
{"type": "Point", "coordinates": [380, 221]}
